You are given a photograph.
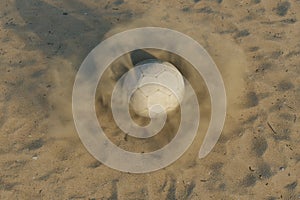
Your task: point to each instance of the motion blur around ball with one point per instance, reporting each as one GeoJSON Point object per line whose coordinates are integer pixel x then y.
{"type": "Point", "coordinates": [159, 88]}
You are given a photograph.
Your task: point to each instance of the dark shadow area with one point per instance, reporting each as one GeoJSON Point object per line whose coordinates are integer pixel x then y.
{"type": "Point", "coordinates": [140, 55]}
{"type": "Point", "coordinates": [69, 30]}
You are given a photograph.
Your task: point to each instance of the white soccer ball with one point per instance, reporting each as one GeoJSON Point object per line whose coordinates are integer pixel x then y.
{"type": "Point", "coordinates": [159, 88]}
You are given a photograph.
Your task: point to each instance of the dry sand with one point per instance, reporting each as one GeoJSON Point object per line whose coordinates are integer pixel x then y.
{"type": "Point", "coordinates": [256, 46]}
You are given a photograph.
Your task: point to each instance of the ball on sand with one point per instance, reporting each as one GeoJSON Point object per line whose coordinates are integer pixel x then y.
{"type": "Point", "coordinates": [159, 88]}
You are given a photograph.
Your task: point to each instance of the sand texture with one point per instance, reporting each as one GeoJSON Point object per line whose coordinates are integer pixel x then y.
{"type": "Point", "coordinates": [255, 44]}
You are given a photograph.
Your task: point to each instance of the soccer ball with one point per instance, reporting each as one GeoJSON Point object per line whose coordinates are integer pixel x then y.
{"type": "Point", "coordinates": [159, 88]}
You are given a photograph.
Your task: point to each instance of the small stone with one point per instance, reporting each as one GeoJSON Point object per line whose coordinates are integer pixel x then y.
{"type": "Point", "coordinates": [281, 169]}
{"type": "Point", "coordinates": [34, 158]}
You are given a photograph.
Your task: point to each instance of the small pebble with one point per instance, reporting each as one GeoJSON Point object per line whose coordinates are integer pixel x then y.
{"type": "Point", "coordinates": [282, 169]}
{"type": "Point", "coordinates": [34, 158]}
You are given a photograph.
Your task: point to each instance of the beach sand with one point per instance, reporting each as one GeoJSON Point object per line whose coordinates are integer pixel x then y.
{"type": "Point", "coordinates": [256, 46]}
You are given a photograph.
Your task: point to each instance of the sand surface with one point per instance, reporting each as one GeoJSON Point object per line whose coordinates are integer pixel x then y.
{"type": "Point", "coordinates": [256, 46]}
